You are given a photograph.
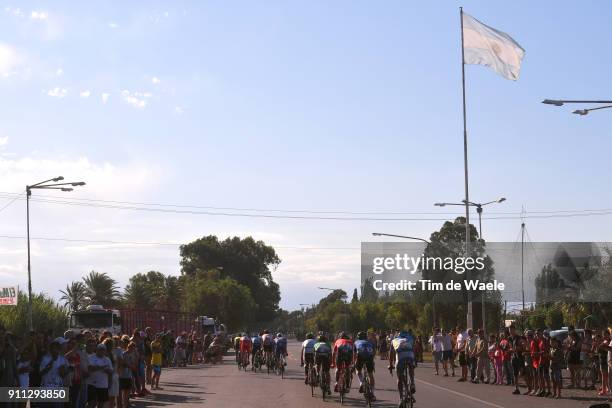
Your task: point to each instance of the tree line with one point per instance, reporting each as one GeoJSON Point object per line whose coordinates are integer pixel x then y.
{"type": "Point", "coordinates": [229, 279]}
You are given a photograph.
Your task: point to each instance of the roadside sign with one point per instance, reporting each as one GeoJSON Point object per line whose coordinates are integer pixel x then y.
{"type": "Point", "coordinates": [8, 295]}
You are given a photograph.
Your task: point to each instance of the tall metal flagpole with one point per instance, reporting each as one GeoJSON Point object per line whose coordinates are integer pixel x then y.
{"type": "Point", "coordinates": [465, 165]}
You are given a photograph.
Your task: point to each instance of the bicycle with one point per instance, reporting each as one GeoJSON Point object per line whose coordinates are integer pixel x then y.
{"type": "Point", "coordinates": [324, 382]}
{"type": "Point", "coordinates": [311, 377]}
{"type": "Point", "coordinates": [344, 380]}
{"type": "Point", "coordinates": [269, 361]}
{"type": "Point", "coordinates": [280, 366]}
{"type": "Point", "coordinates": [406, 398]}
{"type": "Point", "coordinates": [257, 361]}
{"type": "Point", "coordinates": [367, 388]}
{"type": "Point", "coordinates": [245, 360]}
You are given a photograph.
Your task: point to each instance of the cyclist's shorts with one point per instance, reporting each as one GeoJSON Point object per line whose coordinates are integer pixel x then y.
{"type": "Point", "coordinates": [402, 362]}
{"type": "Point", "coordinates": [309, 358]}
{"type": "Point", "coordinates": [279, 351]}
{"type": "Point", "coordinates": [268, 348]}
{"type": "Point", "coordinates": [322, 361]}
{"type": "Point", "coordinates": [343, 358]}
{"type": "Point", "coordinates": [368, 361]}
{"type": "Point", "coordinates": [256, 348]}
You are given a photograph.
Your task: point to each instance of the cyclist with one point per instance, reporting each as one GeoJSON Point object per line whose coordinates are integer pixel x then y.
{"type": "Point", "coordinates": [268, 346]}
{"type": "Point", "coordinates": [343, 353]}
{"type": "Point", "coordinates": [256, 340]}
{"type": "Point", "coordinates": [322, 351]}
{"type": "Point", "coordinates": [237, 346]}
{"type": "Point", "coordinates": [307, 354]}
{"type": "Point", "coordinates": [402, 352]}
{"type": "Point", "coordinates": [365, 356]}
{"type": "Point", "coordinates": [280, 347]}
{"type": "Point", "coordinates": [246, 346]}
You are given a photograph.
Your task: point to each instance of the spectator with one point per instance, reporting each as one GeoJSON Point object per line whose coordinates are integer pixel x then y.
{"type": "Point", "coordinates": [100, 368]}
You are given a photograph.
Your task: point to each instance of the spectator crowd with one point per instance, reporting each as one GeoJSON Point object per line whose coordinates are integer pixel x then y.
{"type": "Point", "coordinates": [100, 370]}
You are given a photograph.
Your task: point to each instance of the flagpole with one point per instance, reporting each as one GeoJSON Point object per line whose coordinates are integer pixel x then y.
{"type": "Point", "coordinates": [465, 166]}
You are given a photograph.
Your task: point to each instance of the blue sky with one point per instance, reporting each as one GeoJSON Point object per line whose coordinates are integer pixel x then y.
{"type": "Point", "coordinates": [352, 106]}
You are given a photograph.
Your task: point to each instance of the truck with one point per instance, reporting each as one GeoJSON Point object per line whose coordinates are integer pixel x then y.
{"type": "Point", "coordinates": [98, 319]}
{"type": "Point", "coordinates": [211, 325]}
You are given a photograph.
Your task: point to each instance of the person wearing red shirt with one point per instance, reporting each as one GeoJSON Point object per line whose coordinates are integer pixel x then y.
{"type": "Point", "coordinates": [246, 346]}
{"type": "Point", "coordinates": [544, 370]}
{"type": "Point", "coordinates": [343, 355]}
{"type": "Point", "coordinates": [536, 356]}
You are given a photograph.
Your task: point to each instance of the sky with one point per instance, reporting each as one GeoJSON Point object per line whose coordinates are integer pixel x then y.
{"type": "Point", "coordinates": [343, 107]}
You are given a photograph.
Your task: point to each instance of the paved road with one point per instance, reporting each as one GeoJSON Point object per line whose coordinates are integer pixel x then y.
{"type": "Point", "coordinates": [224, 386]}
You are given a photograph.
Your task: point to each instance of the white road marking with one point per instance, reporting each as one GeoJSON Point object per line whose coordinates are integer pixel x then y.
{"type": "Point", "coordinates": [490, 404]}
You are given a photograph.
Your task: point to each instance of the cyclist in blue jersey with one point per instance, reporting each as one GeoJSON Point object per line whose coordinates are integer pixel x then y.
{"type": "Point", "coordinates": [402, 353]}
{"type": "Point", "coordinates": [257, 343]}
{"type": "Point", "coordinates": [365, 357]}
{"type": "Point", "coordinates": [280, 346]}
{"type": "Point", "coordinates": [322, 355]}
{"type": "Point", "coordinates": [307, 354]}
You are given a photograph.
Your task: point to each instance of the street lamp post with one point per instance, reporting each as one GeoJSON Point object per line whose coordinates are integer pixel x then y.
{"type": "Point", "coordinates": [345, 306]}
{"type": "Point", "coordinates": [479, 211]}
{"type": "Point", "coordinates": [51, 184]}
{"type": "Point", "coordinates": [433, 298]}
{"type": "Point", "coordinates": [582, 112]}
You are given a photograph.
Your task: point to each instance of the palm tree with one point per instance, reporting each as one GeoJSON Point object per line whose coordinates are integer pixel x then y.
{"type": "Point", "coordinates": [74, 297]}
{"type": "Point", "coordinates": [101, 289]}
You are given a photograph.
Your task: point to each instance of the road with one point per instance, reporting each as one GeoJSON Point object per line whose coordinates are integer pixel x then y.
{"type": "Point", "coordinates": [224, 386]}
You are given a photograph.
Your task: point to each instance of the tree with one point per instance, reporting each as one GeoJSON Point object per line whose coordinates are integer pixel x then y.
{"type": "Point", "coordinates": [153, 290]}
{"type": "Point", "coordinates": [225, 299]}
{"type": "Point", "coordinates": [46, 315]}
{"type": "Point", "coordinates": [355, 297]}
{"type": "Point", "coordinates": [246, 261]}
{"type": "Point", "coordinates": [101, 289]}
{"type": "Point", "coordinates": [74, 296]}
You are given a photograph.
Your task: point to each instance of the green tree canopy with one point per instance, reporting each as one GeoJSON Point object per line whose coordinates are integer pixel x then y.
{"type": "Point", "coordinates": [246, 261]}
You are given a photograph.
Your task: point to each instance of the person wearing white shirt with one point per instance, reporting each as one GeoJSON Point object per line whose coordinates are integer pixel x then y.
{"type": "Point", "coordinates": [436, 348]}
{"type": "Point", "coordinates": [462, 338]}
{"type": "Point", "coordinates": [100, 367]}
{"type": "Point", "coordinates": [447, 351]}
{"type": "Point", "coordinates": [53, 366]}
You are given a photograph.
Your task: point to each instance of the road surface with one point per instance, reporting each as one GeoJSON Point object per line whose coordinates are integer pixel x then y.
{"type": "Point", "coordinates": [224, 386]}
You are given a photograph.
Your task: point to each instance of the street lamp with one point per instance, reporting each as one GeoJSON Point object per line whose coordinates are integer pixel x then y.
{"type": "Point", "coordinates": [479, 211]}
{"type": "Point", "coordinates": [433, 298]}
{"type": "Point", "coordinates": [345, 305]}
{"type": "Point", "coordinates": [582, 112]}
{"type": "Point", "coordinates": [51, 184]}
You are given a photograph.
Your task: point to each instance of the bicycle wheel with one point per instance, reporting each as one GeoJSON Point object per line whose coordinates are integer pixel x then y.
{"type": "Point", "coordinates": [312, 380]}
{"type": "Point", "coordinates": [367, 392]}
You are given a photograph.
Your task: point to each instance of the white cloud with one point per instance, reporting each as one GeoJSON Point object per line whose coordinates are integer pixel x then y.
{"type": "Point", "coordinates": [155, 80]}
{"type": "Point", "coordinates": [105, 97]}
{"type": "Point", "coordinates": [38, 15]}
{"type": "Point", "coordinates": [10, 60]}
{"type": "Point", "coordinates": [85, 93]}
{"type": "Point", "coordinates": [14, 11]}
{"type": "Point", "coordinates": [136, 99]}
{"type": "Point", "coordinates": [179, 110]}
{"type": "Point", "coordinates": [113, 25]}
{"type": "Point", "coordinates": [57, 92]}
{"type": "Point", "coordinates": [4, 140]}
{"type": "Point", "coordinates": [59, 72]}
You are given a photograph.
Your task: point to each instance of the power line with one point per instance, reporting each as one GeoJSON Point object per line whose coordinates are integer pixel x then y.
{"type": "Point", "coordinates": [12, 201]}
{"type": "Point", "coordinates": [140, 207]}
{"type": "Point", "coordinates": [143, 243]}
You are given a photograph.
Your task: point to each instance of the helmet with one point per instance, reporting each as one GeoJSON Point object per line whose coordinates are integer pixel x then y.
{"type": "Point", "coordinates": [403, 333]}
{"type": "Point", "coordinates": [266, 332]}
{"type": "Point", "coordinates": [321, 338]}
{"type": "Point", "coordinates": [279, 335]}
{"type": "Point", "coordinates": [309, 335]}
{"type": "Point", "coordinates": [362, 335]}
{"type": "Point", "coordinates": [342, 335]}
